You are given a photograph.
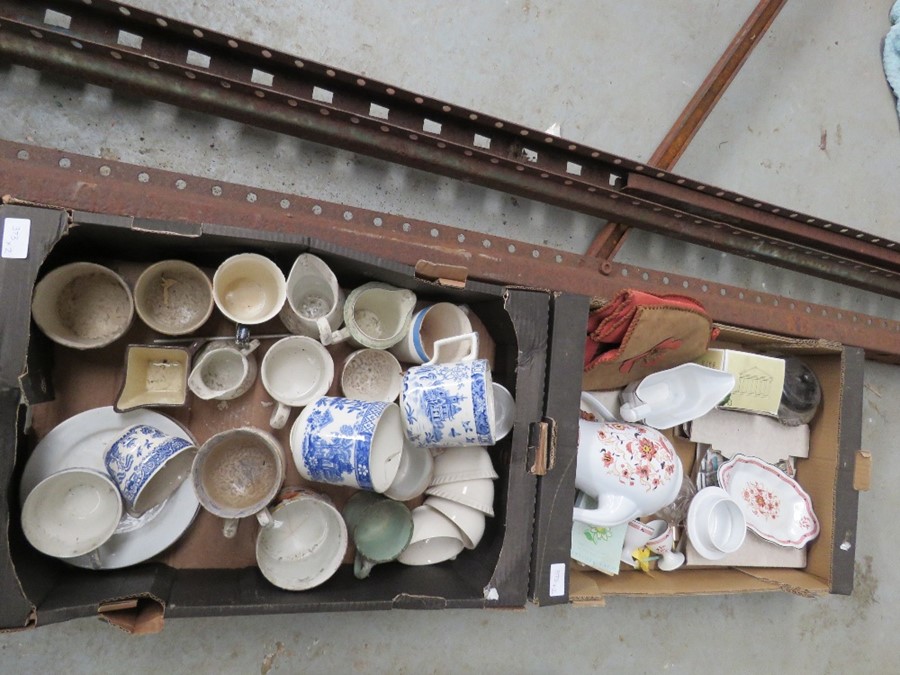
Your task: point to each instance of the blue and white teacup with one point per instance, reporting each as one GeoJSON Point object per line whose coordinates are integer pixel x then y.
{"type": "Point", "coordinates": [344, 441]}
{"type": "Point", "coordinates": [148, 465]}
{"type": "Point", "coordinates": [449, 404]}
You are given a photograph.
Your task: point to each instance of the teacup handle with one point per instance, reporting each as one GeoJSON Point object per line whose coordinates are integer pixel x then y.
{"type": "Point", "coordinates": [264, 518]}
{"type": "Point", "coordinates": [440, 346]}
{"type": "Point", "coordinates": [329, 337]}
{"type": "Point", "coordinates": [279, 415]}
{"type": "Point", "coordinates": [362, 566]}
{"type": "Point", "coordinates": [230, 528]}
{"type": "Point", "coordinates": [94, 560]}
{"type": "Point", "coordinates": [250, 347]}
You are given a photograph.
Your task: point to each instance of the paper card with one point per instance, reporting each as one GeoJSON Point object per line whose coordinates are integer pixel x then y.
{"type": "Point", "coordinates": [758, 379]}
{"type": "Point", "coordinates": [16, 233]}
{"type": "Point", "coordinates": [598, 547]}
{"type": "Point", "coordinates": [557, 580]}
{"type": "Point", "coordinates": [754, 552]}
{"type": "Point", "coordinates": [731, 432]}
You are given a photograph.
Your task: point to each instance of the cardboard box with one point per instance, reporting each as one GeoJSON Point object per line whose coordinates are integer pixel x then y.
{"type": "Point", "coordinates": [203, 574]}
{"type": "Point", "coordinates": [758, 379]}
{"type": "Point", "coordinates": [827, 475]}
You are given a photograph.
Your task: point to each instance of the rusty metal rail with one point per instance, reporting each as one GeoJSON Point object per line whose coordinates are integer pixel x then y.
{"type": "Point", "coordinates": [66, 180]}
{"type": "Point", "coordinates": [147, 54]}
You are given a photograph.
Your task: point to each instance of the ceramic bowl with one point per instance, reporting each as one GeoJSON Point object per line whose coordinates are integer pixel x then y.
{"type": "Point", "coordinates": [71, 513]}
{"type": "Point", "coordinates": [504, 411]}
{"type": "Point", "coordinates": [715, 524]}
{"type": "Point", "coordinates": [173, 297]}
{"type": "Point", "coordinates": [471, 522]}
{"type": "Point", "coordinates": [467, 463]}
{"type": "Point", "coordinates": [82, 305]}
{"type": "Point", "coordinates": [435, 538]}
{"type": "Point", "coordinates": [371, 375]}
{"type": "Point", "coordinates": [477, 493]}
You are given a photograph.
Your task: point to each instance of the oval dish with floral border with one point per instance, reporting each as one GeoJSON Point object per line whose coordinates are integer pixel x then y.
{"type": "Point", "coordinates": [776, 507]}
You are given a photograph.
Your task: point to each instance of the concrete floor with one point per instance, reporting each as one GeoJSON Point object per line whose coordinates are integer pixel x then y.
{"type": "Point", "coordinates": [614, 75]}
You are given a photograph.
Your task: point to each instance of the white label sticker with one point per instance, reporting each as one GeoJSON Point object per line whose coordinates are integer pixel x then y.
{"type": "Point", "coordinates": [557, 579]}
{"type": "Point", "coordinates": [16, 232]}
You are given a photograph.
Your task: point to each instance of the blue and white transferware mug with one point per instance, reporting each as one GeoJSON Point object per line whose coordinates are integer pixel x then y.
{"type": "Point", "coordinates": [344, 441]}
{"type": "Point", "coordinates": [449, 404]}
{"type": "Point", "coordinates": [148, 465]}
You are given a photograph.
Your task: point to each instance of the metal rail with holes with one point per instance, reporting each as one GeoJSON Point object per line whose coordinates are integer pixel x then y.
{"type": "Point", "coordinates": [143, 53]}
{"type": "Point", "coordinates": [52, 177]}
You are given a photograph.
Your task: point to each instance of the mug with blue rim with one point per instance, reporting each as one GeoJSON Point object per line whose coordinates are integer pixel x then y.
{"type": "Point", "coordinates": [348, 442]}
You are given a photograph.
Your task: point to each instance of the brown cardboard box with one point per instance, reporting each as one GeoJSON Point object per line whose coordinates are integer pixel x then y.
{"type": "Point", "coordinates": [203, 574]}
{"type": "Point", "coordinates": [827, 475]}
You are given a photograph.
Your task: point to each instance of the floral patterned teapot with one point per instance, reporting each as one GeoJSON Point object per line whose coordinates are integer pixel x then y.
{"type": "Point", "coordinates": [632, 470]}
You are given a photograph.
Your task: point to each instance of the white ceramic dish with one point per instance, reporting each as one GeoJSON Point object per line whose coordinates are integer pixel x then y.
{"type": "Point", "coordinates": [671, 397]}
{"type": "Point", "coordinates": [80, 441]}
{"type": "Point", "coordinates": [776, 507]}
{"type": "Point", "coordinates": [715, 523]}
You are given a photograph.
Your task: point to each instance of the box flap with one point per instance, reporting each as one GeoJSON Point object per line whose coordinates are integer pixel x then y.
{"type": "Point", "coordinates": [586, 586]}
{"type": "Point", "coordinates": [556, 489]}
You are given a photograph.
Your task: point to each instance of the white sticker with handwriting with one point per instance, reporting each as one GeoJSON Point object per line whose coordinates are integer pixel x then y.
{"type": "Point", "coordinates": [557, 579]}
{"type": "Point", "coordinates": [16, 232]}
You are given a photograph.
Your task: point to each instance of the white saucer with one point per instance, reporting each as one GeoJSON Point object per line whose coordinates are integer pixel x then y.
{"type": "Point", "coordinates": [80, 441]}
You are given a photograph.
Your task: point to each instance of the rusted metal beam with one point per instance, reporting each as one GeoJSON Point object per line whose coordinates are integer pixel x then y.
{"type": "Point", "coordinates": [675, 142]}
{"type": "Point", "coordinates": [704, 100]}
{"type": "Point", "coordinates": [144, 53]}
{"type": "Point", "coordinates": [66, 180]}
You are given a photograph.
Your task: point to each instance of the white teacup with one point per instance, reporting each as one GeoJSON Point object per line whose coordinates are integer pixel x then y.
{"type": "Point", "coordinates": [223, 370]}
{"type": "Point", "coordinates": [295, 371]}
{"type": "Point", "coordinates": [428, 325]}
{"type": "Point", "coordinates": [414, 475]}
{"type": "Point", "coordinates": [305, 544]}
{"type": "Point", "coordinates": [173, 297]}
{"type": "Point", "coordinates": [315, 302]}
{"type": "Point", "coordinates": [148, 465]}
{"type": "Point", "coordinates": [477, 493]}
{"type": "Point", "coordinates": [71, 513]}
{"type": "Point", "coordinates": [249, 289]}
{"type": "Point", "coordinates": [376, 315]}
{"type": "Point", "coordinates": [471, 522]}
{"type": "Point", "coordinates": [237, 473]}
{"type": "Point", "coordinates": [435, 538]}
{"type": "Point", "coordinates": [347, 442]}
{"type": "Point", "coordinates": [449, 404]}
{"type": "Point", "coordinates": [82, 305]}
{"type": "Point", "coordinates": [636, 536]}
{"type": "Point", "coordinates": [663, 545]}
{"type": "Point", "coordinates": [371, 375]}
